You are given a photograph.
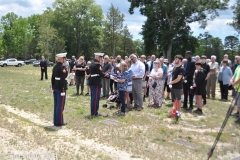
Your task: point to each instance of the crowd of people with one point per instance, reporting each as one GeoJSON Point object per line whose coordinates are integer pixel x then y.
{"type": "Point", "coordinates": [137, 78]}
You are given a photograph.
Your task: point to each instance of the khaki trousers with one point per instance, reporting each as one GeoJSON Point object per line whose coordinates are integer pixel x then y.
{"type": "Point", "coordinates": [211, 85]}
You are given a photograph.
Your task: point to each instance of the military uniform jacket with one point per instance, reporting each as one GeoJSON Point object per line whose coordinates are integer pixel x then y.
{"type": "Point", "coordinates": [95, 68]}
{"type": "Point", "coordinates": [59, 75]}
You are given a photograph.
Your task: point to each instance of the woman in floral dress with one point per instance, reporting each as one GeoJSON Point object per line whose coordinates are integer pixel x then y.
{"type": "Point", "coordinates": [155, 94]}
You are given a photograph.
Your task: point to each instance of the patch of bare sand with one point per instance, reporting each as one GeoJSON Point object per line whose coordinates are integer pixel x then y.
{"type": "Point", "coordinates": [112, 152]}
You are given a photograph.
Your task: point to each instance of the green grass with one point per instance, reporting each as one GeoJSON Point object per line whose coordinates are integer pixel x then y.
{"type": "Point", "coordinates": [140, 134]}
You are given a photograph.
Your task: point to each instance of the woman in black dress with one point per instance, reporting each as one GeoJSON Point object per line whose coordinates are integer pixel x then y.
{"type": "Point", "coordinates": [198, 85]}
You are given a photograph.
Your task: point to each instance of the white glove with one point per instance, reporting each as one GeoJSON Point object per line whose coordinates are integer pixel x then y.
{"type": "Point", "coordinates": [170, 86]}
{"type": "Point", "coordinates": [185, 81]}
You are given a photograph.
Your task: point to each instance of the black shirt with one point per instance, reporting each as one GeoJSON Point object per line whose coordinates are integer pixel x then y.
{"type": "Point", "coordinates": [106, 66]}
{"type": "Point", "coordinates": [43, 63]}
{"type": "Point", "coordinates": [80, 65]}
{"type": "Point", "coordinates": [177, 71]}
{"type": "Point", "coordinates": [200, 78]}
{"type": "Point", "coordinates": [189, 70]}
{"type": "Point", "coordinates": [206, 68]}
{"type": "Point", "coordinates": [72, 63]}
{"type": "Point", "coordinates": [96, 68]}
{"type": "Point", "coordinates": [59, 76]}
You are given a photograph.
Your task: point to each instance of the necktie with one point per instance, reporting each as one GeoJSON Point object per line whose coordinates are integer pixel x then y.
{"type": "Point", "coordinates": [151, 67]}
{"type": "Point", "coordinates": [185, 68]}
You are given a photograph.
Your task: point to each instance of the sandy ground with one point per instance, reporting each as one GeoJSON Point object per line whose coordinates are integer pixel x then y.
{"type": "Point", "coordinates": [13, 146]}
{"type": "Point", "coordinates": [24, 135]}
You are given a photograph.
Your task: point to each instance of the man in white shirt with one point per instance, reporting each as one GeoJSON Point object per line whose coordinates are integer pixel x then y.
{"type": "Point", "coordinates": [138, 69]}
{"type": "Point", "coordinates": [229, 61]}
{"type": "Point", "coordinates": [211, 82]}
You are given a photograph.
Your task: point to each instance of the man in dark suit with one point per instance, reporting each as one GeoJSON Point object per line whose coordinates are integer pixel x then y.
{"type": "Point", "coordinates": [189, 69]}
{"type": "Point", "coordinates": [43, 65]}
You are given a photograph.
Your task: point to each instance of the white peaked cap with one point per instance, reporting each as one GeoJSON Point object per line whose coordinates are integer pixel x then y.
{"type": "Point", "coordinates": [61, 55]}
{"type": "Point", "coordinates": [99, 54]}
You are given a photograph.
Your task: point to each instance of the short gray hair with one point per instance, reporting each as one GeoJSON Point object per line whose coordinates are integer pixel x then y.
{"type": "Point", "coordinates": [213, 56]}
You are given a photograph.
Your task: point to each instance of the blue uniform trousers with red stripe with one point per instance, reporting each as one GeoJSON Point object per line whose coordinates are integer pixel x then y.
{"type": "Point", "coordinates": [59, 103]}
{"type": "Point", "coordinates": [95, 96]}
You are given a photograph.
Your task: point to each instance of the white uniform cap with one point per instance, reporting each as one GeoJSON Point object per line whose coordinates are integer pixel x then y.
{"type": "Point", "coordinates": [99, 54]}
{"type": "Point", "coordinates": [61, 55]}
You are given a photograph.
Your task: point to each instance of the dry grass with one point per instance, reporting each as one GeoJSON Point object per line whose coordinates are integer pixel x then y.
{"type": "Point", "coordinates": [144, 135]}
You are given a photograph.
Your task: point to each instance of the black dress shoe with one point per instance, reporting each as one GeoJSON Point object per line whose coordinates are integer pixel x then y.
{"type": "Point", "coordinates": [184, 107]}
{"type": "Point", "coordinates": [190, 108]}
{"type": "Point", "coordinates": [64, 124]}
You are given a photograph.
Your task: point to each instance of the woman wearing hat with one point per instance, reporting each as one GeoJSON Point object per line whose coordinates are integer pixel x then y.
{"type": "Point", "coordinates": [198, 85]}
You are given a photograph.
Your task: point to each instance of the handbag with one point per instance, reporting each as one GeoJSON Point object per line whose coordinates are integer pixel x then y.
{"type": "Point", "coordinates": [154, 85]}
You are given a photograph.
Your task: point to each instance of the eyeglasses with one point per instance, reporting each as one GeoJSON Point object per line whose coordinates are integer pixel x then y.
{"type": "Point", "coordinates": [156, 63]}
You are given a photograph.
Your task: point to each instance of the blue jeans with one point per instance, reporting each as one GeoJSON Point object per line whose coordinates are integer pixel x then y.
{"type": "Point", "coordinates": [59, 103]}
{"type": "Point", "coordinates": [95, 96]}
{"type": "Point", "coordinates": [122, 99]}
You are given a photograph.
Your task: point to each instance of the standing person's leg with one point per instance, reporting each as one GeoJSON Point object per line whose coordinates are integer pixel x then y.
{"type": "Point", "coordinates": [225, 91]}
{"type": "Point", "coordinates": [122, 99]}
{"type": "Point", "coordinates": [185, 92]}
{"type": "Point", "coordinates": [77, 84]}
{"type": "Point", "coordinates": [111, 85]}
{"type": "Point", "coordinates": [191, 95]}
{"type": "Point", "coordinates": [208, 86]}
{"type": "Point", "coordinates": [138, 90]}
{"type": "Point", "coordinates": [204, 93]}
{"type": "Point", "coordinates": [98, 92]}
{"type": "Point", "coordinates": [93, 97]}
{"type": "Point", "coordinates": [46, 76]}
{"type": "Point", "coordinates": [107, 86]}
{"type": "Point", "coordinates": [82, 83]}
{"type": "Point", "coordinates": [221, 89]}
{"type": "Point", "coordinates": [41, 74]}
{"type": "Point", "coordinates": [104, 87]}
{"type": "Point", "coordinates": [213, 86]}
{"type": "Point", "coordinates": [134, 93]}
{"type": "Point", "coordinates": [131, 98]}
{"type": "Point", "coordinates": [55, 107]}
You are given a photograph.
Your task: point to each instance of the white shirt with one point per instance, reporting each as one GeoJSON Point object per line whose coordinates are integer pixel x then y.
{"type": "Point", "coordinates": [138, 69]}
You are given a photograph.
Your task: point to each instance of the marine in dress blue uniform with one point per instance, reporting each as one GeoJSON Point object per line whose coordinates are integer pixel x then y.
{"type": "Point", "coordinates": [59, 86]}
{"type": "Point", "coordinates": [95, 82]}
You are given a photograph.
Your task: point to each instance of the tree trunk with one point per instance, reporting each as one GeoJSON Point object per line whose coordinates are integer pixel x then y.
{"type": "Point", "coordinates": [169, 52]}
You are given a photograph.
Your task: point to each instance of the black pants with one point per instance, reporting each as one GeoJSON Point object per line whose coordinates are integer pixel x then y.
{"type": "Point", "coordinates": [111, 85]}
{"type": "Point", "coordinates": [80, 81]}
{"type": "Point", "coordinates": [224, 90]}
{"type": "Point", "coordinates": [188, 92]}
{"type": "Point", "coordinates": [131, 98]}
{"type": "Point", "coordinates": [44, 71]}
{"type": "Point", "coordinates": [122, 99]}
{"type": "Point", "coordinates": [204, 93]}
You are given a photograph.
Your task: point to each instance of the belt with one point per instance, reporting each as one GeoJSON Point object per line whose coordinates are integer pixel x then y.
{"type": "Point", "coordinates": [58, 78]}
{"type": "Point", "coordinates": [95, 75]}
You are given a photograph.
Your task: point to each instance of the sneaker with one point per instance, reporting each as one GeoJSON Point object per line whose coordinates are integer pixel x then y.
{"type": "Point", "coordinates": [236, 114]}
{"type": "Point", "coordinates": [139, 108]}
{"type": "Point", "coordinates": [237, 121]}
{"type": "Point", "coordinates": [86, 94]}
{"type": "Point", "coordinates": [121, 114]}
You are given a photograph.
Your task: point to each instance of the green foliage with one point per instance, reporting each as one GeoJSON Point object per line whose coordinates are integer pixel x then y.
{"type": "Point", "coordinates": [166, 18]}
{"type": "Point", "coordinates": [79, 23]}
{"type": "Point", "coordinates": [231, 43]}
{"type": "Point", "coordinates": [117, 38]}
